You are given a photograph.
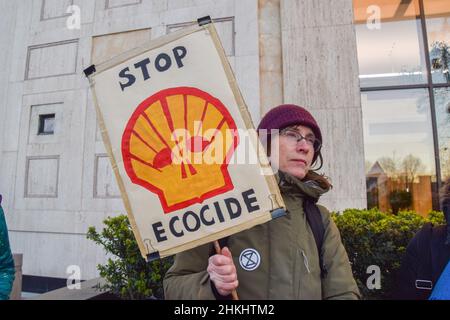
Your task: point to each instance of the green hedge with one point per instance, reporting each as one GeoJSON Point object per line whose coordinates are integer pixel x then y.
{"type": "Point", "coordinates": [375, 238]}
{"type": "Point", "coordinates": [370, 237]}
{"type": "Point", "coordinates": [127, 274]}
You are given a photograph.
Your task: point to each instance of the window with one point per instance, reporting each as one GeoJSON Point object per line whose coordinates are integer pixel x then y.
{"type": "Point", "coordinates": [404, 57]}
{"type": "Point", "coordinates": [399, 152]}
{"type": "Point", "coordinates": [442, 102]}
{"type": "Point", "coordinates": [437, 14]}
{"type": "Point", "coordinates": [391, 53]}
{"type": "Point", "coordinates": [46, 124]}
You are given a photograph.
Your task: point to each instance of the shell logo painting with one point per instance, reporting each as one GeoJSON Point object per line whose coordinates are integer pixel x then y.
{"type": "Point", "coordinates": [181, 142]}
{"type": "Point", "coordinates": [167, 140]}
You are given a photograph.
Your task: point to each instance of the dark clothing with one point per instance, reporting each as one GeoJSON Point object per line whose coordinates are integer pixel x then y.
{"type": "Point", "coordinates": [288, 266]}
{"type": "Point", "coordinates": [6, 260]}
{"type": "Point", "coordinates": [425, 258]}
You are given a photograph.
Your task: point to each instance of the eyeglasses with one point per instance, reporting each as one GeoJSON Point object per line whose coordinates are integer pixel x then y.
{"type": "Point", "coordinates": [295, 137]}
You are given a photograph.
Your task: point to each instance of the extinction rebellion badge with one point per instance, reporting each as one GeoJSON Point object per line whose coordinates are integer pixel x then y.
{"type": "Point", "coordinates": [249, 259]}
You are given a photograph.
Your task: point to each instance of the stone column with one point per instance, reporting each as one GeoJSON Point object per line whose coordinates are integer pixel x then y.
{"type": "Point", "coordinates": [320, 72]}
{"type": "Point", "coordinates": [270, 55]}
{"type": "Point", "coordinates": [8, 11]}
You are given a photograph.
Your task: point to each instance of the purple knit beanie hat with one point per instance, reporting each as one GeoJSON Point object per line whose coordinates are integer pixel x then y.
{"type": "Point", "coordinates": [287, 115]}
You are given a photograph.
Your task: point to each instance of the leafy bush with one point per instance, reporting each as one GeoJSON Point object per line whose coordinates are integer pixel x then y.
{"type": "Point", "coordinates": [375, 238]}
{"type": "Point", "coordinates": [127, 274]}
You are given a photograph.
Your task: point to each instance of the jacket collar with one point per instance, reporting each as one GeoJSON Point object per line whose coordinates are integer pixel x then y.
{"type": "Point", "coordinates": [306, 187]}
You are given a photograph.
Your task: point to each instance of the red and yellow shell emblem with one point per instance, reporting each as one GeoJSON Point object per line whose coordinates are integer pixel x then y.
{"type": "Point", "coordinates": [178, 144]}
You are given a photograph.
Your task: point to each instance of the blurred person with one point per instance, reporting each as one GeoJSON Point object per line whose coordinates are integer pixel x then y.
{"type": "Point", "coordinates": [7, 270]}
{"type": "Point", "coordinates": [425, 270]}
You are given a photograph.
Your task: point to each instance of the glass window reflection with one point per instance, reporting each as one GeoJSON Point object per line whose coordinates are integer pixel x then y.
{"type": "Point", "coordinates": [437, 14]}
{"type": "Point", "coordinates": [442, 107]}
{"type": "Point", "coordinates": [391, 52]}
{"type": "Point", "coordinates": [399, 153]}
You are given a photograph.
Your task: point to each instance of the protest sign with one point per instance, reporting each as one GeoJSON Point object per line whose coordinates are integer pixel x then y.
{"type": "Point", "coordinates": [176, 129]}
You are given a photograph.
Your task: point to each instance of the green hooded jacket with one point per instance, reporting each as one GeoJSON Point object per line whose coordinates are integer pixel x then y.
{"type": "Point", "coordinates": [6, 260]}
{"type": "Point", "coordinates": [288, 258]}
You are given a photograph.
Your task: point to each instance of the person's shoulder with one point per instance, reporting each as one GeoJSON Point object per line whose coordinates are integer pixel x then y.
{"type": "Point", "coordinates": [325, 213]}
{"type": "Point", "coordinates": [429, 231]}
{"type": "Point", "coordinates": [439, 235]}
{"type": "Point", "coordinates": [423, 232]}
{"type": "Point", "coordinates": [420, 240]}
{"type": "Point", "coordinates": [323, 210]}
